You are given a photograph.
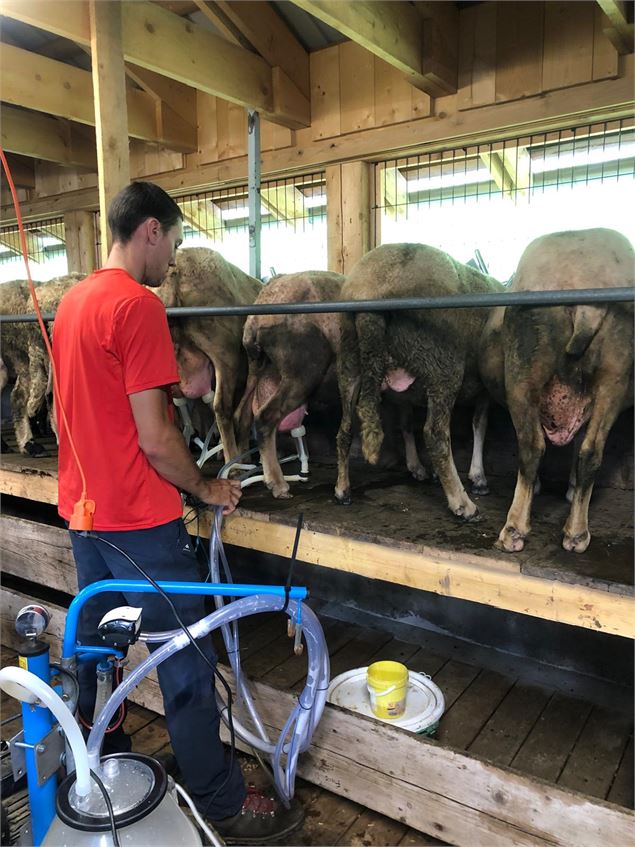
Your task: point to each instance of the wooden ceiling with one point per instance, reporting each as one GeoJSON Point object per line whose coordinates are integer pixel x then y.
{"type": "Point", "coordinates": [244, 51]}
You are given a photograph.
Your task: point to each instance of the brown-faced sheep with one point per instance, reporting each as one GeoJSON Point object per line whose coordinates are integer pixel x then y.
{"type": "Point", "coordinates": [209, 350]}
{"type": "Point", "coordinates": [562, 369]}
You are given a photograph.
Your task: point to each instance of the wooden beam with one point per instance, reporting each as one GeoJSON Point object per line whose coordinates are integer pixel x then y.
{"type": "Point", "coordinates": [80, 238]}
{"type": "Point", "coordinates": [356, 219]}
{"type": "Point", "coordinates": [11, 241]}
{"type": "Point", "coordinates": [54, 229]}
{"type": "Point", "coordinates": [270, 36]}
{"type": "Point", "coordinates": [156, 39]}
{"type": "Point", "coordinates": [179, 7]}
{"type": "Point", "coordinates": [39, 137]}
{"type": "Point", "coordinates": [205, 216]}
{"type": "Point", "coordinates": [620, 31]}
{"type": "Point", "coordinates": [334, 245]}
{"type": "Point", "coordinates": [398, 34]}
{"type": "Point", "coordinates": [394, 192]}
{"type": "Point", "coordinates": [181, 99]}
{"type": "Point", "coordinates": [22, 171]}
{"type": "Point", "coordinates": [219, 19]}
{"type": "Point", "coordinates": [590, 103]}
{"type": "Point", "coordinates": [510, 168]}
{"type": "Point", "coordinates": [440, 43]}
{"type": "Point", "coordinates": [284, 201]}
{"type": "Point", "coordinates": [405, 776]}
{"type": "Point", "coordinates": [111, 117]}
{"type": "Point", "coordinates": [495, 582]}
{"type": "Point", "coordinates": [46, 85]}
{"type": "Point", "coordinates": [348, 218]}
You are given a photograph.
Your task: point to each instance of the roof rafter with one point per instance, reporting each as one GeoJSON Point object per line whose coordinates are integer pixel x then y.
{"type": "Point", "coordinates": [41, 137]}
{"type": "Point", "coordinates": [413, 40]}
{"type": "Point", "coordinates": [620, 31]}
{"type": "Point", "coordinates": [55, 88]}
{"type": "Point", "coordinates": [156, 39]}
{"type": "Point", "coordinates": [259, 25]}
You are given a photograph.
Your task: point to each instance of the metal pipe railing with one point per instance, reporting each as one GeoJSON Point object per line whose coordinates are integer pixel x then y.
{"type": "Point", "coordinates": [568, 297]}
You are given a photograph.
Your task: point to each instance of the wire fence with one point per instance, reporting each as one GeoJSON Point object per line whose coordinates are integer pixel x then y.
{"type": "Point", "coordinates": [293, 214]}
{"type": "Point", "coordinates": [45, 242]}
{"type": "Point", "coordinates": [490, 200]}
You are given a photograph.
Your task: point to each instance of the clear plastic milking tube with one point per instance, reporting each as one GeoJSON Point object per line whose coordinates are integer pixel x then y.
{"type": "Point", "coordinates": [300, 723]}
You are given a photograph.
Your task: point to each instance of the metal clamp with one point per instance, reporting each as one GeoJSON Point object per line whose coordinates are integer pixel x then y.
{"type": "Point", "coordinates": [48, 754]}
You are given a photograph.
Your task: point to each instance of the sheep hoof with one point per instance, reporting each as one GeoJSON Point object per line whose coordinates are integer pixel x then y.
{"type": "Point", "coordinates": [468, 517]}
{"type": "Point", "coordinates": [510, 540]}
{"type": "Point", "coordinates": [34, 450]}
{"type": "Point", "coordinates": [4, 447]}
{"type": "Point", "coordinates": [480, 488]}
{"type": "Point", "coordinates": [419, 473]}
{"type": "Point", "coordinates": [576, 543]}
{"type": "Point", "coordinates": [280, 490]}
{"type": "Point", "coordinates": [345, 498]}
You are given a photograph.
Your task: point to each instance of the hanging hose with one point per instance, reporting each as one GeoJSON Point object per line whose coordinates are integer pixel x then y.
{"type": "Point", "coordinates": [305, 715]}
{"type": "Point", "coordinates": [304, 718]}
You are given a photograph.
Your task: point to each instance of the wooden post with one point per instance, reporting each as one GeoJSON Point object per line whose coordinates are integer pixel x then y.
{"type": "Point", "coordinates": [348, 214]}
{"type": "Point", "coordinates": [356, 199]}
{"type": "Point", "coordinates": [79, 235]}
{"type": "Point", "coordinates": [111, 116]}
{"type": "Point", "coordinates": [334, 218]}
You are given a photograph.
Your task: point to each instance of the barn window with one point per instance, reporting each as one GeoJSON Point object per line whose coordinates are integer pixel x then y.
{"type": "Point", "coordinates": [45, 246]}
{"type": "Point", "coordinates": [486, 203]}
{"type": "Point", "coordinates": [293, 223]}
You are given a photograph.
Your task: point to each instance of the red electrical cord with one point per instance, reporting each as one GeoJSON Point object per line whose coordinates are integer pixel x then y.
{"type": "Point", "coordinates": [83, 510]}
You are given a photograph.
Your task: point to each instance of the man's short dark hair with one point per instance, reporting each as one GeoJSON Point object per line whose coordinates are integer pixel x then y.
{"type": "Point", "coordinates": [135, 204]}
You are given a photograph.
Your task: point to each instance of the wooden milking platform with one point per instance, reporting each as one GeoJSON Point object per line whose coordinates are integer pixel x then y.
{"type": "Point", "coordinates": [524, 754]}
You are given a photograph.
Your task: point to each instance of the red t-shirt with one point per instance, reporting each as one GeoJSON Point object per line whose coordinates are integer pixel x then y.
{"type": "Point", "coordinates": [111, 339]}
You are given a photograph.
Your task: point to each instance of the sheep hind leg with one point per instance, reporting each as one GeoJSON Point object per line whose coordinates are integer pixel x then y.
{"type": "Point", "coordinates": [438, 442]}
{"type": "Point", "coordinates": [476, 473]}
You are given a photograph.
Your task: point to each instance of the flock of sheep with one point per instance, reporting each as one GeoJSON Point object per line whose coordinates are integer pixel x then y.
{"type": "Point", "coordinates": [564, 372]}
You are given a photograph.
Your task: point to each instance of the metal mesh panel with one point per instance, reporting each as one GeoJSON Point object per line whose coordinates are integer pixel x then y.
{"type": "Point", "coordinates": [488, 201]}
{"type": "Point", "coordinates": [293, 223]}
{"type": "Point", "coordinates": [45, 246]}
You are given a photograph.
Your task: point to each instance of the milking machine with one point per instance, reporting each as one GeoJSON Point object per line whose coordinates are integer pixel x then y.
{"type": "Point", "coordinates": [79, 797]}
{"type": "Point", "coordinates": [254, 475]}
{"type": "Point", "coordinates": [189, 433]}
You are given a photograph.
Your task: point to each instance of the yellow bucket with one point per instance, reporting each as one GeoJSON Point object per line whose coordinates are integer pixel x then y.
{"type": "Point", "coordinates": [387, 685]}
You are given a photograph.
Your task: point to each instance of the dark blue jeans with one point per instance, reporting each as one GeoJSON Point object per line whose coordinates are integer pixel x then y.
{"type": "Point", "coordinates": [186, 681]}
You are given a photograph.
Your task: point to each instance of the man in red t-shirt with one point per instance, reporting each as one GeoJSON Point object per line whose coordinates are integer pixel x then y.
{"type": "Point", "coordinates": [115, 363]}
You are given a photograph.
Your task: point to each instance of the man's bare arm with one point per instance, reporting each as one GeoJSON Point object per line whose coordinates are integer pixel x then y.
{"type": "Point", "coordinates": [168, 454]}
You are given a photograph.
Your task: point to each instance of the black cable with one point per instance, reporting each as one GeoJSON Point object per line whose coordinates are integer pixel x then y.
{"type": "Point", "coordinates": [213, 668]}
{"type": "Point", "coordinates": [287, 585]}
{"type": "Point", "coordinates": [111, 812]}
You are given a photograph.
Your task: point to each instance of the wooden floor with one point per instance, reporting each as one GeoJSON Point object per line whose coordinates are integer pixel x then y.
{"type": "Point", "coordinates": [545, 723]}
{"type": "Point", "coordinates": [561, 727]}
{"type": "Point", "coordinates": [329, 819]}
{"type": "Point", "coordinates": [555, 727]}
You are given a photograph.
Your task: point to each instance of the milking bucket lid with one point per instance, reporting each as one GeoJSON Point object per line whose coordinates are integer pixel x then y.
{"type": "Point", "coordinates": [135, 783]}
{"type": "Point", "coordinates": [424, 700]}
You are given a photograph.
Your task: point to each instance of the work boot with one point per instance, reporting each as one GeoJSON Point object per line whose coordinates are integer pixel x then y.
{"type": "Point", "coordinates": [261, 820]}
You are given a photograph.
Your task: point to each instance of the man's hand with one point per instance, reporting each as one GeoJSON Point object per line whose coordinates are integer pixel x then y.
{"type": "Point", "coordinates": [221, 492]}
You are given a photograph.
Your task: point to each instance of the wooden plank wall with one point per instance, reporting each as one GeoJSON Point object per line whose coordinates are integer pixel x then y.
{"type": "Point", "coordinates": [507, 51]}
